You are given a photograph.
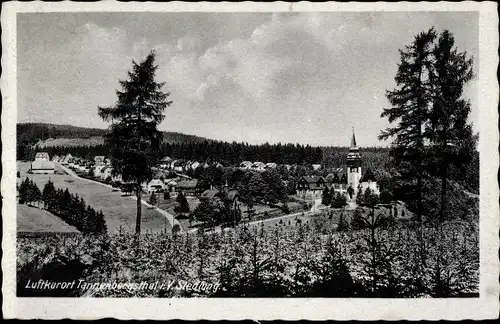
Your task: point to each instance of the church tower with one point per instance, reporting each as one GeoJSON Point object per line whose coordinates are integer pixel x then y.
{"type": "Point", "coordinates": [353, 165]}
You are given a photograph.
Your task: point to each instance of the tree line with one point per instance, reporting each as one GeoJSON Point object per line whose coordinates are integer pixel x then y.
{"type": "Point", "coordinates": [70, 208]}
{"type": "Point", "coordinates": [234, 153]}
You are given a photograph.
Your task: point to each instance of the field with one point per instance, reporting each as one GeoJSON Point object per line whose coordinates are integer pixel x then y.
{"type": "Point", "coordinates": [286, 261]}
{"type": "Point", "coordinates": [31, 219]}
{"type": "Point", "coordinates": [119, 211]}
{"type": "Point", "coordinates": [71, 142]}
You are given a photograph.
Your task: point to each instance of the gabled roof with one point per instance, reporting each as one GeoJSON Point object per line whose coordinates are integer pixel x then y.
{"type": "Point", "coordinates": [312, 179]}
{"type": "Point", "coordinates": [42, 155]}
{"type": "Point", "coordinates": [187, 184]}
{"type": "Point", "coordinates": [212, 193]}
{"type": "Point", "coordinates": [155, 182]}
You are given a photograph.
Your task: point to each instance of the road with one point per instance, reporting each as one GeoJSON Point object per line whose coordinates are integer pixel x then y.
{"type": "Point", "coordinates": [170, 218]}
{"type": "Point", "coordinates": [268, 220]}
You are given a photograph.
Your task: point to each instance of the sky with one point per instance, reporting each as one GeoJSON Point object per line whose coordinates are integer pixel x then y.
{"type": "Point", "coordinates": [308, 77]}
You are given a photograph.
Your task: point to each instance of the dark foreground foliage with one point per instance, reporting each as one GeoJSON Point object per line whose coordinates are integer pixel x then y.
{"type": "Point", "coordinates": [285, 261]}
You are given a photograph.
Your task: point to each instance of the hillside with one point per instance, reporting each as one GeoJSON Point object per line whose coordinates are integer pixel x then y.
{"type": "Point", "coordinates": [49, 135]}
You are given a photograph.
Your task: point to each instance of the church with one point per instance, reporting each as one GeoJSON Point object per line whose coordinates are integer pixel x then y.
{"type": "Point", "coordinates": [355, 179]}
{"type": "Point", "coordinates": [349, 181]}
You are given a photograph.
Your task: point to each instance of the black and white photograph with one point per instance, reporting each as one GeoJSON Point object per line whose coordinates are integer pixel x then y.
{"type": "Point", "coordinates": [257, 155]}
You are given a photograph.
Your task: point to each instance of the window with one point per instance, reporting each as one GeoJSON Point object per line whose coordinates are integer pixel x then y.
{"type": "Point", "coordinates": [354, 170]}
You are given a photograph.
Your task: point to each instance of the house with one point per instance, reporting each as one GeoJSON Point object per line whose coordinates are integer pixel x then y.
{"type": "Point", "coordinates": [190, 187]}
{"type": "Point", "coordinates": [205, 165]}
{"type": "Point", "coordinates": [55, 158]}
{"type": "Point", "coordinates": [98, 168]}
{"type": "Point", "coordinates": [66, 159]}
{"type": "Point", "coordinates": [165, 162]}
{"type": "Point", "coordinates": [368, 181]}
{"type": "Point", "coordinates": [171, 185]}
{"type": "Point", "coordinates": [259, 166]}
{"type": "Point", "coordinates": [42, 166]}
{"type": "Point", "coordinates": [195, 165]}
{"type": "Point", "coordinates": [106, 173]}
{"type": "Point", "coordinates": [98, 159]}
{"type": "Point", "coordinates": [271, 165]}
{"type": "Point", "coordinates": [245, 165]}
{"type": "Point", "coordinates": [178, 165]}
{"type": "Point", "coordinates": [316, 167]}
{"type": "Point", "coordinates": [155, 185]}
{"type": "Point", "coordinates": [218, 165]}
{"type": "Point", "coordinates": [42, 156]}
{"type": "Point", "coordinates": [230, 194]}
{"type": "Point", "coordinates": [310, 184]}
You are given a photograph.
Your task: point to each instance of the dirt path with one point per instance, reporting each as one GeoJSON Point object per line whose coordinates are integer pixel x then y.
{"type": "Point", "coordinates": [267, 220]}
{"type": "Point", "coordinates": [170, 218]}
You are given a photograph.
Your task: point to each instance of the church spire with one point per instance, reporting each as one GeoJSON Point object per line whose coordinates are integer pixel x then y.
{"type": "Point", "coordinates": [353, 140]}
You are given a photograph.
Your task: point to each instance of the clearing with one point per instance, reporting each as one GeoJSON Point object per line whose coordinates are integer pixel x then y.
{"type": "Point", "coordinates": [32, 219]}
{"type": "Point", "coordinates": [119, 211]}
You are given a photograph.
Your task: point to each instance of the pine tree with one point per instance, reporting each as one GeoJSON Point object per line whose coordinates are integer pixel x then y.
{"type": "Point", "coordinates": [326, 198]}
{"type": "Point", "coordinates": [133, 138]}
{"type": "Point", "coordinates": [182, 204]}
{"type": "Point", "coordinates": [411, 102]}
{"type": "Point", "coordinates": [48, 194]}
{"type": "Point", "coordinates": [152, 199]}
{"type": "Point", "coordinates": [451, 136]}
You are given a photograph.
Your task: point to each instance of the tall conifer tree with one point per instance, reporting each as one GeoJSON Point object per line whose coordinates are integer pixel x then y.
{"type": "Point", "coordinates": [452, 137]}
{"type": "Point", "coordinates": [411, 101]}
{"type": "Point", "coordinates": [133, 137]}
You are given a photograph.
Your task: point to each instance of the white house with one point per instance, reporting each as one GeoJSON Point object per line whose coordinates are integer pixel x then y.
{"type": "Point", "coordinates": [170, 185]}
{"type": "Point", "coordinates": [98, 168]}
{"type": "Point", "coordinates": [42, 167]}
{"type": "Point", "coordinates": [98, 159]}
{"type": "Point", "coordinates": [316, 167]}
{"type": "Point", "coordinates": [271, 165]}
{"type": "Point", "coordinates": [42, 156]}
{"type": "Point", "coordinates": [368, 181]}
{"type": "Point", "coordinates": [155, 185]}
{"type": "Point", "coordinates": [195, 165]}
{"type": "Point", "coordinates": [259, 166]}
{"type": "Point", "coordinates": [245, 165]}
{"type": "Point", "coordinates": [165, 162]}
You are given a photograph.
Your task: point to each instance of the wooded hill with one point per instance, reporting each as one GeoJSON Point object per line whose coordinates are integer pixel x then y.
{"type": "Point", "coordinates": [33, 133]}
